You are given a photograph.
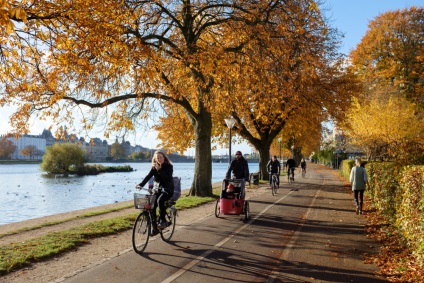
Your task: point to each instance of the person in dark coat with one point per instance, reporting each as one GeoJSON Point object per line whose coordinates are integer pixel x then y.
{"type": "Point", "coordinates": [291, 164]}
{"type": "Point", "coordinates": [274, 167]}
{"type": "Point", "coordinates": [239, 167]}
{"type": "Point", "coordinates": [240, 170]}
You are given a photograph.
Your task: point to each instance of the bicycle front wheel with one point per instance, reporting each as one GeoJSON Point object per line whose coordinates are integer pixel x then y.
{"type": "Point", "coordinates": [141, 232]}
{"type": "Point", "coordinates": [217, 208]}
{"type": "Point", "coordinates": [171, 217]}
{"type": "Point", "coordinates": [274, 187]}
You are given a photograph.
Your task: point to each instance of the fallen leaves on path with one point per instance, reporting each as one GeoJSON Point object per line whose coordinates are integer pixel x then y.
{"type": "Point", "coordinates": [394, 259]}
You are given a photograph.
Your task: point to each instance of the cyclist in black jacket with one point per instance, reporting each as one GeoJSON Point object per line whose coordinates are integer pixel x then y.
{"type": "Point", "coordinates": [274, 166]}
{"type": "Point", "coordinates": [239, 167]}
{"type": "Point", "coordinates": [291, 164]}
{"type": "Point", "coordinates": [240, 170]}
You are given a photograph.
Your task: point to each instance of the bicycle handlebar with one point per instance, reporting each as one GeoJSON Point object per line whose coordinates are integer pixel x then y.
{"type": "Point", "coordinates": [151, 191]}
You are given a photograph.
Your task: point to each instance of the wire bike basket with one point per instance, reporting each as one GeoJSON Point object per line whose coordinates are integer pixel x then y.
{"type": "Point", "coordinates": [143, 201]}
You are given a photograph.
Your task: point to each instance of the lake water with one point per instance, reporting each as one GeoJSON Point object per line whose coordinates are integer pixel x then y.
{"type": "Point", "coordinates": [26, 193]}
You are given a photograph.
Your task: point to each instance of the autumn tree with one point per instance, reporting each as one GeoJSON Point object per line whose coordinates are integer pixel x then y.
{"type": "Point", "coordinates": [117, 57]}
{"type": "Point", "coordinates": [117, 151]}
{"type": "Point", "coordinates": [303, 132]}
{"type": "Point", "coordinates": [392, 53]}
{"type": "Point", "coordinates": [7, 147]}
{"type": "Point", "coordinates": [382, 125]}
{"type": "Point", "coordinates": [386, 120]}
{"type": "Point", "coordinates": [30, 151]}
{"type": "Point", "coordinates": [292, 69]}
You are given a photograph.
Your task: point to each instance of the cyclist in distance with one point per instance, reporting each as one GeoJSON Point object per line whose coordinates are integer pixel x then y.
{"type": "Point", "coordinates": [291, 164]}
{"type": "Point", "coordinates": [162, 170]}
{"type": "Point", "coordinates": [240, 169]}
{"type": "Point", "coordinates": [274, 167]}
{"type": "Point", "coordinates": [303, 165]}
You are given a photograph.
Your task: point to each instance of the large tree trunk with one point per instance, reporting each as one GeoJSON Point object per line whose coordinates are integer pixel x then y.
{"type": "Point", "coordinates": [263, 161]}
{"type": "Point", "coordinates": [202, 180]}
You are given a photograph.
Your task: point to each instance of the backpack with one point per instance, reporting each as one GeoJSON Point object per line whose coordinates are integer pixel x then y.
{"type": "Point", "coordinates": [177, 188]}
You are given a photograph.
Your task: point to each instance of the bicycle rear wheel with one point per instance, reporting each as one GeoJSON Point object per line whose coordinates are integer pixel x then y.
{"type": "Point", "coordinates": [141, 232]}
{"type": "Point", "coordinates": [246, 211]}
{"type": "Point", "coordinates": [171, 217]}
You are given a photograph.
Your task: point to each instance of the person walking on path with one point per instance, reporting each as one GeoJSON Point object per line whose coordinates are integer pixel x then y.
{"type": "Point", "coordinates": [359, 180]}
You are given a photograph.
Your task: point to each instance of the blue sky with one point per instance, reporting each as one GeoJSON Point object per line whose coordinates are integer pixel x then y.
{"type": "Point", "coordinates": [350, 16]}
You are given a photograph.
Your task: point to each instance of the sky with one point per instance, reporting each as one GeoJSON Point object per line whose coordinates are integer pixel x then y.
{"type": "Point", "coordinates": [351, 17]}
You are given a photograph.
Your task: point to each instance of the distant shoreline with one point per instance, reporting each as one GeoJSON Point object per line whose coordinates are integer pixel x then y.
{"type": "Point", "coordinates": [20, 161]}
{"type": "Point", "coordinates": [11, 162]}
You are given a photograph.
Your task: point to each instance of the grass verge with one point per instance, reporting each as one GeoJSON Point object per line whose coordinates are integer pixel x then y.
{"type": "Point", "coordinates": [18, 255]}
{"type": "Point", "coordinates": [52, 223]}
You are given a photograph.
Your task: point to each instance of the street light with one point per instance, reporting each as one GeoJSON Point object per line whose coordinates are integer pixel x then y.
{"type": "Point", "coordinates": [230, 124]}
{"type": "Point", "coordinates": [279, 145]}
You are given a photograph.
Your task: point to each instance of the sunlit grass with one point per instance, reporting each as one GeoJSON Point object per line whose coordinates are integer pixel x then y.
{"type": "Point", "coordinates": [17, 255]}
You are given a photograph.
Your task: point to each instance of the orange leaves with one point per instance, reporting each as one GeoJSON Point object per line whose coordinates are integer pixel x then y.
{"type": "Point", "coordinates": [391, 53]}
{"type": "Point", "coordinates": [7, 14]}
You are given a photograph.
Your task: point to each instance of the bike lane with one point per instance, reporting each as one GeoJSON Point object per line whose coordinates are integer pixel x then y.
{"type": "Point", "coordinates": [308, 232]}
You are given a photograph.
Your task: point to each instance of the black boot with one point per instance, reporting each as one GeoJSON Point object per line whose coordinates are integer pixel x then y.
{"type": "Point", "coordinates": [357, 206]}
{"type": "Point", "coordinates": [360, 207]}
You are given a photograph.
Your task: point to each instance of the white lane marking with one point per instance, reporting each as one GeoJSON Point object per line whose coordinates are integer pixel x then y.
{"type": "Point", "coordinates": [275, 272]}
{"type": "Point", "coordinates": [208, 252]}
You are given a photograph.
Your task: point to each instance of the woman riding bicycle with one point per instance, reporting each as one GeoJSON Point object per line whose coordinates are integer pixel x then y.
{"type": "Point", "coordinates": [162, 170]}
{"type": "Point", "coordinates": [274, 167]}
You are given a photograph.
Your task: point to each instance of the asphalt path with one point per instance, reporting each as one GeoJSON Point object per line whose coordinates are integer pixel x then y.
{"type": "Point", "coordinates": [308, 232]}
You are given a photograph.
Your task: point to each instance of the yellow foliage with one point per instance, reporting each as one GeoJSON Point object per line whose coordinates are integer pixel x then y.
{"type": "Point", "coordinates": [383, 122]}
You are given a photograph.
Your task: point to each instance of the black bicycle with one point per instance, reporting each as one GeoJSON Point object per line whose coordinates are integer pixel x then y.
{"type": "Point", "coordinates": [146, 220]}
{"type": "Point", "coordinates": [274, 186]}
{"type": "Point", "coordinates": [290, 178]}
{"type": "Point", "coordinates": [303, 172]}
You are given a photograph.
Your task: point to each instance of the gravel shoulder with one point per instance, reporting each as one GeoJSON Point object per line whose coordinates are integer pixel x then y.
{"type": "Point", "coordinates": [98, 250]}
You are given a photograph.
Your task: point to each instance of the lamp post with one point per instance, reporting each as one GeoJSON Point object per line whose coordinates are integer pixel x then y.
{"type": "Point", "coordinates": [279, 145]}
{"type": "Point", "coordinates": [230, 124]}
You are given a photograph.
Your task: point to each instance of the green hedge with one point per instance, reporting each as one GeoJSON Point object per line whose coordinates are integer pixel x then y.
{"type": "Point", "coordinates": [410, 213]}
{"type": "Point", "coordinates": [384, 190]}
{"type": "Point", "coordinates": [345, 167]}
